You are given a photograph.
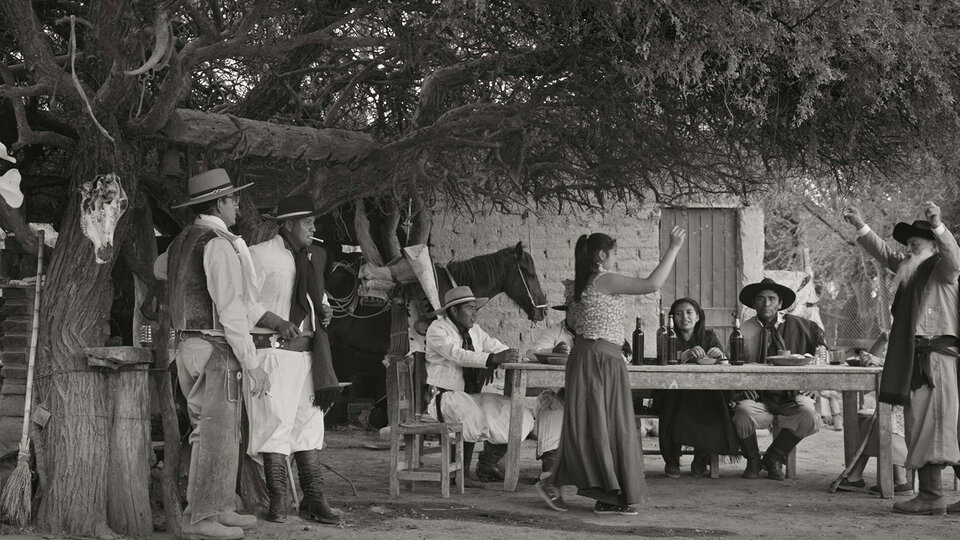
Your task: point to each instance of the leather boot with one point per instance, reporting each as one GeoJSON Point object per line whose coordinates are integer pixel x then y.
{"type": "Point", "coordinates": [955, 507]}
{"type": "Point", "coordinates": [547, 460]}
{"type": "Point", "coordinates": [750, 449]}
{"type": "Point", "coordinates": [487, 470]}
{"type": "Point", "coordinates": [314, 505]}
{"type": "Point", "coordinates": [930, 501]}
{"type": "Point", "coordinates": [275, 471]}
{"type": "Point", "coordinates": [776, 455]}
{"type": "Point", "coordinates": [700, 466]}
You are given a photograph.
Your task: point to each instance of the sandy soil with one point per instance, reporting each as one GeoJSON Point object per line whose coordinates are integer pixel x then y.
{"type": "Point", "coordinates": [688, 507]}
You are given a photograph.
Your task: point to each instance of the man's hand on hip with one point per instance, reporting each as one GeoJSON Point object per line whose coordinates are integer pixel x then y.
{"type": "Point", "coordinates": [259, 381]}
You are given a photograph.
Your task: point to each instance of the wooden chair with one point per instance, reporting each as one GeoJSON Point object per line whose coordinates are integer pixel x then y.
{"type": "Point", "coordinates": [406, 424]}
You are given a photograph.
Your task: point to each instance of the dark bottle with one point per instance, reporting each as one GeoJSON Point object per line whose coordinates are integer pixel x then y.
{"type": "Point", "coordinates": [638, 344]}
{"type": "Point", "coordinates": [736, 344]}
{"type": "Point", "coordinates": [671, 342]}
{"type": "Point", "coordinates": [661, 341]}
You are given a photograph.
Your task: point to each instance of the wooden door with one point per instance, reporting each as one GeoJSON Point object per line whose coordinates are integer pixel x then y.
{"type": "Point", "coordinates": [707, 268]}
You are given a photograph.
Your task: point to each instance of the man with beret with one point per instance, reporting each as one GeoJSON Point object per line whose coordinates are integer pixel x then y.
{"type": "Point", "coordinates": [212, 302]}
{"type": "Point", "coordinates": [294, 351]}
{"type": "Point", "coordinates": [455, 344]}
{"type": "Point", "coordinates": [791, 411]}
{"type": "Point", "coordinates": [920, 371]}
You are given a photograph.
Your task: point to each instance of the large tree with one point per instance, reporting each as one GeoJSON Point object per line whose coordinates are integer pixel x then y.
{"type": "Point", "coordinates": [551, 101]}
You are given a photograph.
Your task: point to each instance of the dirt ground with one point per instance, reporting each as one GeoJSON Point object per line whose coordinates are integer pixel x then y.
{"type": "Point", "coordinates": [687, 507]}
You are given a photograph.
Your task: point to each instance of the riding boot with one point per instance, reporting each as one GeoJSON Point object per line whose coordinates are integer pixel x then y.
{"type": "Point", "coordinates": [314, 505]}
{"type": "Point", "coordinates": [487, 470]}
{"type": "Point", "coordinates": [671, 457]}
{"type": "Point", "coordinates": [750, 449]}
{"type": "Point", "coordinates": [777, 453]}
{"type": "Point", "coordinates": [700, 466]}
{"type": "Point", "coordinates": [275, 471]}
{"type": "Point", "coordinates": [929, 501]}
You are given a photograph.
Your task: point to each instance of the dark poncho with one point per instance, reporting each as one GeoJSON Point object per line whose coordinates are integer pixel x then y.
{"type": "Point", "coordinates": [697, 418]}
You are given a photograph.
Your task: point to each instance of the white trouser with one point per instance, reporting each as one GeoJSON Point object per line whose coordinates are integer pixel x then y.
{"type": "Point", "coordinates": [485, 416]}
{"type": "Point", "coordinates": [285, 421]}
{"type": "Point", "coordinates": [549, 421]}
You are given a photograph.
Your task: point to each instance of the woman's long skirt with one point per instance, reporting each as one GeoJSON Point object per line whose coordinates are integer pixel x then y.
{"type": "Point", "coordinates": [599, 448]}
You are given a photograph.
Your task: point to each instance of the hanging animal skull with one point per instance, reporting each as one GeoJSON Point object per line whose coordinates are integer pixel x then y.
{"type": "Point", "coordinates": [102, 202]}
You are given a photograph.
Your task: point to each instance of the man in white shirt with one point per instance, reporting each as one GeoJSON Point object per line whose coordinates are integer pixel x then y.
{"type": "Point", "coordinates": [210, 293]}
{"type": "Point", "coordinates": [297, 359]}
{"type": "Point", "coordinates": [455, 342]}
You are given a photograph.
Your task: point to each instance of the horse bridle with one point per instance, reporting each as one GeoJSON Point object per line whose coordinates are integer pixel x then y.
{"type": "Point", "coordinates": [526, 287]}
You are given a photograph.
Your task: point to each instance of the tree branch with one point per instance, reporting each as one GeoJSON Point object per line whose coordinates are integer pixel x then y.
{"type": "Point", "coordinates": [25, 134]}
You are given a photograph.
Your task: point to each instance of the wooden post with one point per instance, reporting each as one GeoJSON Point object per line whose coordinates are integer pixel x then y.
{"type": "Point", "coordinates": [128, 422]}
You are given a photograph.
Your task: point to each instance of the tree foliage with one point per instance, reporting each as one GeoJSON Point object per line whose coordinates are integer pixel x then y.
{"type": "Point", "coordinates": [511, 100]}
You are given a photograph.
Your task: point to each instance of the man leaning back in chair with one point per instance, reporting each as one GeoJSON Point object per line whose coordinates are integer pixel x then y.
{"type": "Point", "coordinates": [461, 357]}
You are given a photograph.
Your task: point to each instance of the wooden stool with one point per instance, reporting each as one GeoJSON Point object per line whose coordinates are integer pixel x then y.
{"type": "Point", "coordinates": [405, 423]}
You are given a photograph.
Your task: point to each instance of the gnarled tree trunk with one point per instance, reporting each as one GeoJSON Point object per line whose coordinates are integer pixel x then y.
{"type": "Point", "coordinates": [75, 313]}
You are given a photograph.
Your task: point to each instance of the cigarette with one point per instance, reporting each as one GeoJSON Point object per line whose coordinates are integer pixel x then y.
{"type": "Point", "coordinates": [315, 239]}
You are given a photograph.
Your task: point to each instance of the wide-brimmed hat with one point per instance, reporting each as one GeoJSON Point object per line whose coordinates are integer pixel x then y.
{"type": "Point", "coordinates": [918, 229]}
{"type": "Point", "coordinates": [786, 294]}
{"type": "Point", "coordinates": [208, 186]}
{"type": "Point", "coordinates": [294, 207]}
{"type": "Point", "coordinates": [460, 295]}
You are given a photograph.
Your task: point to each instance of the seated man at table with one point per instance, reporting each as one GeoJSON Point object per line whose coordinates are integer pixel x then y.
{"type": "Point", "coordinates": [791, 411]}
{"type": "Point", "coordinates": [460, 358]}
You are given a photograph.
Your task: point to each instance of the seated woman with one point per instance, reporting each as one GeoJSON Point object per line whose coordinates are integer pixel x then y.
{"type": "Point", "coordinates": [697, 418]}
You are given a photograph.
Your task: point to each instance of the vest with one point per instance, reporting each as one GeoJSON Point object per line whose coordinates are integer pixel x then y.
{"type": "Point", "coordinates": [190, 305]}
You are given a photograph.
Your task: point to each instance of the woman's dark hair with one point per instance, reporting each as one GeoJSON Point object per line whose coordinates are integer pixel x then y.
{"type": "Point", "coordinates": [698, 329]}
{"type": "Point", "coordinates": [587, 259]}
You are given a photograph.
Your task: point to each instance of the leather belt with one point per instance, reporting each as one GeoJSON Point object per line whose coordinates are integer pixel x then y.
{"type": "Point", "coordinates": [183, 335]}
{"type": "Point", "coordinates": [298, 344]}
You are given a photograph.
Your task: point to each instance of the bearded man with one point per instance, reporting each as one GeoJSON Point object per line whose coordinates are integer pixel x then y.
{"type": "Point", "coordinates": [920, 371]}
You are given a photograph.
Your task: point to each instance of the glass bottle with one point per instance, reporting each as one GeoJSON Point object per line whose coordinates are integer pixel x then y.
{"type": "Point", "coordinates": [661, 345]}
{"type": "Point", "coordinates": [736, 343]}
{"type": "Point", "coordinates": [672, 344]}
{"type": "Point", "coordinates": [638, 344]}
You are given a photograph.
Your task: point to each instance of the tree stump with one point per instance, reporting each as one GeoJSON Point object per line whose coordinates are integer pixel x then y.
{"type": "Point", "coordinates": [127, 404]}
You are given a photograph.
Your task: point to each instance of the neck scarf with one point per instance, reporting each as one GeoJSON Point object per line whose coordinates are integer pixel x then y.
{"type": "Point", "coordinates": [770, 341]}
{"type": "Point", "coordinates": [473, 378]}
{"type": "Point", "coordinates": [901, 372]}
{"type": "Point", "coordinates": [310, 262]}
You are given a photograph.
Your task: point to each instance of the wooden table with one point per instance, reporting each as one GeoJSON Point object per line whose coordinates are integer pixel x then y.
{"type": "Point", "coordinates": [848, 380]}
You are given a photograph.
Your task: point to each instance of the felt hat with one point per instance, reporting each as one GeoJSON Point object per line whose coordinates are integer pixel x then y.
{"type": "Point", "coordinates": [460, 295]}
{"type": "Point", "coordinates": [786, 294]}
{"type": "Point", "coordinates": [918, 229]}
{"type": "Point", "coordinates": [294, 207]}
{"type": "Point", "coordinates": [208, 186]}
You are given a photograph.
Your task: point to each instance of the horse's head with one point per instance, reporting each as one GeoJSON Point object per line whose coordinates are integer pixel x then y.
{"type": "Point", "coordinates": [522, 285]}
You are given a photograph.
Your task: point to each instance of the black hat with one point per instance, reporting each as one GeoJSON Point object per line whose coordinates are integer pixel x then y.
{"type": "Point", "coordinates": [918, 229]}
{"type": "Point", "coordinates": [786, 294]}
{"type": "Point", "coordinates": [294, 206]}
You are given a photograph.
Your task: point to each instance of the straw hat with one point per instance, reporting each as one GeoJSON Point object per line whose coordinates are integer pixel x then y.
{"type": "Point", "coordinates": [208, 186]}
{"type": "Point", "coordinates": [460, 295]}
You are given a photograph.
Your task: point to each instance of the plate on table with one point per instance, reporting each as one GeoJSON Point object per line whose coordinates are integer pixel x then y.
{"type": "Point", "coordinates": [547, 356]}
{"type": "Point", "coordinates": [789, 360]}
{"type": "Point", "coordinates": [854, 361]}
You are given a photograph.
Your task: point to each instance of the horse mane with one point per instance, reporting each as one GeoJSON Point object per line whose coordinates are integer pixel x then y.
{"type": "Point", "coordinates": [476, 270]}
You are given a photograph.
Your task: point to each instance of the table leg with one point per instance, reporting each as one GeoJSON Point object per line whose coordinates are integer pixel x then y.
{"type": "Point", "coordinates": [515, 387]}
{"type": "Point", "coordinates": [851, 426]}
{"type": "Point", "coordinates": [885, 459]}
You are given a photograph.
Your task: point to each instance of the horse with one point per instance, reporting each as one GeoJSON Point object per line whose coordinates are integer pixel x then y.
{"type": "Point", "coordinates": [360, 340]}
